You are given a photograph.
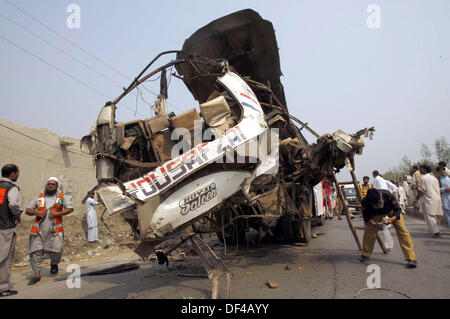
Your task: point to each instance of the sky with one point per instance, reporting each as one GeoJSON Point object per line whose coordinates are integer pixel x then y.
{"type": "Point", "coordinates": [338, 72]}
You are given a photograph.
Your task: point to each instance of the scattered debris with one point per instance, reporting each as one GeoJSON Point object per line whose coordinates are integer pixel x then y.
{"type": "Point", "coordinates": [129, 245]}
{"type": "Point", "coordinates": [272, 284]}
{"type": "Point", "coordinates": [288, 267]}
{"type": "Point", "coordinates": [180, 267]}
{"type": "Point", "coordinates": [193, 275]}
{"type": "Point", "coordinates": [113, 270]}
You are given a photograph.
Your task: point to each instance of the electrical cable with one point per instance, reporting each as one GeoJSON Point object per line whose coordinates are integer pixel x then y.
{"type": "Point", "coordinates": [83, 50]}
{"type": "Point", "coordinates": [35, 139]}
{"type": "Point", "coordinates": [62, 71]}
{"type": "Point", "coordinates": [70, 56]}
{"type": "Point", "coordinates": [44, 159]}
{"type": "Point", "coordinates": [58, 49]}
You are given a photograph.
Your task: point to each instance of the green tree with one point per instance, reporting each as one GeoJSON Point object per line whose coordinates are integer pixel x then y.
{"type": "Point", "coordinates": [442, 149]}
{"type": "Point", "coordinates": [425, 153]}
{"type": "Point", "coordinates": [405, 165]}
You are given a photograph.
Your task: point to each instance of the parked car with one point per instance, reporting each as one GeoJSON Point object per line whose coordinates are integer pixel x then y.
{"type": "Point", "coordinates": [350, 196]}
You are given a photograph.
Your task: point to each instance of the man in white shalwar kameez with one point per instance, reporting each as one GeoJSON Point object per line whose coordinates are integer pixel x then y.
{"type": "Point", "coordinates": [415, 183]}
{"type": "Point", "coordinates": [91, 218]}
{"type": "Point", "coordinates": [411, 194]}
{"type": "Point", "coordinates": [402, 199]}
{"type": "Point", "coordinates": [378, 181]}
{"type": "Point", "coordinates": [406, 189]}
{"type": "Point", "coordinates": [429, 199]}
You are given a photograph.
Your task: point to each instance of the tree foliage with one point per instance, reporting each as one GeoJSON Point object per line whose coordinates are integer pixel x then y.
{"type": "Point", "coordinates": [441, 153]}
{"type": "Point", "coordinates": [442, 150]}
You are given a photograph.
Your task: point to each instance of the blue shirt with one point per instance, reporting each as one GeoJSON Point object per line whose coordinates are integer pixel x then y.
{"type": "Point", "coordinates": [445, 182]}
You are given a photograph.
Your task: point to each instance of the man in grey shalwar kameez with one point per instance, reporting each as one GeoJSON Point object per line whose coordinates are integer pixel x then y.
{"type": "Point", "coordinates": [47, 236]}
{"type": "Point", "coordinates": [9, 217]}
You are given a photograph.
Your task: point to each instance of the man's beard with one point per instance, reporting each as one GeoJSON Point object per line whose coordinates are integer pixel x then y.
{"type": "Point", "coordinates": [51, 193]}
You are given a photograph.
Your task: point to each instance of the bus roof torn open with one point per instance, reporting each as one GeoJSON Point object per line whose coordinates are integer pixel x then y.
{"type": "Point", "coordinates": [239, 162]}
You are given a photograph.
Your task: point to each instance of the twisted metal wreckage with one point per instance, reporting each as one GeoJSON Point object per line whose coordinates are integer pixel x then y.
{"type": "Point", "coordinates": [210, 179]}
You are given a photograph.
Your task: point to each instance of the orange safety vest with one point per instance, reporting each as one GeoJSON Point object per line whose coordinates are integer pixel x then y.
{"type": "Point", "coordinates": [364, 189]}
{"type": "Point", "coordinates": [57, 207]}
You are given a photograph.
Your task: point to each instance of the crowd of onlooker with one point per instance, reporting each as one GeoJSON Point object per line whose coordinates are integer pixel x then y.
{"type": "Point", "coordinates": [427, 191]}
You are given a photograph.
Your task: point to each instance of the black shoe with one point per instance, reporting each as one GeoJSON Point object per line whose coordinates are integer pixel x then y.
{"type": "Point", "coordinates": [54, 269]}
{"type": "Point", "coordinates": [411, 264]}
{"type": "Point", "coordinates": [363, 259]}
{"type": "Point", "coordinates": [6, 293]}
{"type": "Point", "coordinates": [34, 280]}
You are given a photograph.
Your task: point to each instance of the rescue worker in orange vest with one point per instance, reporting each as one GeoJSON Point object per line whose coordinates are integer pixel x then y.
{"type": "Point", "coordinates": [9, 218]}
{"type": "Point", "coordinates": [47, 232]}
{"type": "Point", "coordinates": [365, 186]}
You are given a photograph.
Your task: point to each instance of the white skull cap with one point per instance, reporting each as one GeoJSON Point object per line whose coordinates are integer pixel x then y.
{"type": "Point", "coordinates": [53, 179]}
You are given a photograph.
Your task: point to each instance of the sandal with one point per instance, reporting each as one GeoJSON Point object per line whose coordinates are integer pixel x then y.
{"type": "Point", "coordinates": [7, 293]}
{"type": "Point", "coordinates": [33, 281]}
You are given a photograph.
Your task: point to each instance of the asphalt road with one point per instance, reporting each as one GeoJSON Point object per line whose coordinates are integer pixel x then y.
{"type": "Point", "coordinates": [328, 267]}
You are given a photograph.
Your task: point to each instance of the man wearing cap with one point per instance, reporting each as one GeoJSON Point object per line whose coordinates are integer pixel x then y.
{"type": "Point", "coordinates": [47, 232]}
{"type": "Point", "coordinates": [380, 208]}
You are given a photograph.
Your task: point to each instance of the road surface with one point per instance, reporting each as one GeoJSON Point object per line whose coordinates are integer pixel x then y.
{"type": "Point", "coordinates": [328, 267]}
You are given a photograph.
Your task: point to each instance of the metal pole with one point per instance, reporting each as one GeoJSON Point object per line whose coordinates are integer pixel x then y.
{"type": "Point", "coordinates": [347, 212]}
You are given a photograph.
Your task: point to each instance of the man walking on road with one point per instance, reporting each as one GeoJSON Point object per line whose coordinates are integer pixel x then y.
{"type": "Point", "coordinates": [47, 232]}
{"type": "Point", "coordinates": [415, 182]}
{"type": "Point", "coordinates": [429, 199]}
{"type": "Point", "coordinates": [406, 189]}
{"type": "Point", "coordinates": [9, 217]}
{"type": "Point", "coordinates": [444, 181]}
{"type": "Point", "coordinates": [378, 181]}
{"type": "Point", "coordinates": [377, 205]}
{"type": "Point", "coordinates": [402, 198]}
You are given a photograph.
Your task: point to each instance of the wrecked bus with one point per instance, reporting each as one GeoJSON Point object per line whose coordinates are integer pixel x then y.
{"type": "Point", "coordinates": [239, 162]}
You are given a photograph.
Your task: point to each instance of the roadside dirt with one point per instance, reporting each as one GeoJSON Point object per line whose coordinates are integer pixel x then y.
{"type": "Point", "coordinates": [76, 246]}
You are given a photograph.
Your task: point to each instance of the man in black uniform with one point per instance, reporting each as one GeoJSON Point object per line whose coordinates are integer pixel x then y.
{"type": "Point", "coordinates": [376, 205]}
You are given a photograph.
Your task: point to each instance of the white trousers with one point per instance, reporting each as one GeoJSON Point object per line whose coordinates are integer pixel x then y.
{"type": "Point", "coordinates": [92, 234]}
{"type": "Point", "coordinates": [432, 223]}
